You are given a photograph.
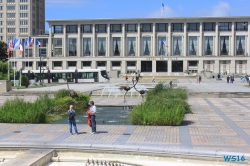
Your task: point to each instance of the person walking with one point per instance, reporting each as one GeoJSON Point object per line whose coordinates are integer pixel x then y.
{"type": "Point", "coordinates": [126, 78]}
{"type": "Point", "coordinates": [92, 113]}
{"type": "Point", "coordinates": [170, 83]}
{"type": "Point", "coordinates": [228, 79]}
{"type": "Point", "coordinates": [153, 79]}
{"type": "Point", "coordinates": [199, 79]}
{"type": "Point", "coordinates": [71, 119]}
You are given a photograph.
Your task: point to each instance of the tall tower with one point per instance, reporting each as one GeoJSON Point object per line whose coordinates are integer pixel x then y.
{"type": "Point", "coordinates": [21, 18]}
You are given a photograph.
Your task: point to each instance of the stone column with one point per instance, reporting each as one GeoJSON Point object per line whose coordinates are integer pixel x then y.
{"type": "Point", "coordinates": [64, 44]}
{"type": "Point", "coordinates": [154, 66]}
{"type": "Point", "coordinates": [232, 67]}
{"type": "Point", "coordinates": [138, 65]}
{"type": "Point", "coordinates": [248, 64]}
{"type": "Point", "coordinates": [201, 41]}
{"type": "Point", "coordinates": [153, 41]}
{"type": "Point", "coordinates": [200, 66]}
{"type": "Point", "coordinates": [232, 52]}
{"type": "Point", "coordinates": [93, 65]}
{"type": "Point", "coordinates": [49, 46]}
{"type": "Point", "coordinates": [123, 41]}
{"type": "Point", "coordinates": [185, 65]}
{"type": "Point", "coordinates": [79, 41]}
{"type": "Point", "coordinates": [216, 66]}
{"type": "Point", "coordinates": [138, 40]}
{"type": "Point", "coordinates": [94, 44]}
{"type": "Point", "coordinates": [248, 43]}
{"type": "Point", "coordinates": [64, 65]}
{"type": "Point", "coordinates": [123, 67]}
{"type": "Point", "coordinates": [169, 66]}
{"type": "Point", "coordinates": [108, 66]}
{"type": "Point", "coordinates": [217, 47]}
{"type": "Point", "coordinates": [78, 64]}
{"type": "Point", "coordinates": [169, 41]}
{"type": "Point", "coordinates": [108, 44]}
{"type": "Point", "coordinates": [50, 64]}
{"type": "Point", "coordinates": [185, 38]}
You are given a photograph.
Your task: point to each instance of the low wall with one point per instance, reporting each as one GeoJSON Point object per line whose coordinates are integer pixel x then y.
{"type": "Point", "coordinates": [5, 85]}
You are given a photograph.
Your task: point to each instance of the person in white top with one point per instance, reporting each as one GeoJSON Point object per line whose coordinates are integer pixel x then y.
{"type": "Point", "coordinates": [92, 116]}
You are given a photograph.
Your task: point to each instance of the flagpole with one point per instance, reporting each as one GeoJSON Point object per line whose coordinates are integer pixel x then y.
{"type": "Point", "coordinates": [9, 67]}
{"type": "Point", "coordinates": [14, 70]}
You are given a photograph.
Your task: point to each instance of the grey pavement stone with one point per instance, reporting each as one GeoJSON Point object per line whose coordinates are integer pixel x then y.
{"type": "Point", "coordinates": [185, 137]}
{"type": "Point", "coordinates": [243, 105]}
{"type": "Point", "coordinates": [231, 123]}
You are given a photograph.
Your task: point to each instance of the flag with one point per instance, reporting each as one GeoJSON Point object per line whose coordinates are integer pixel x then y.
{"type": "Point", "coordinates": [162, 6]}
{"type": "Point", "coordinates": [16, 44]}
{"type": "Point", "coordinates": [30, 41]}
{"type": "Point", "coordinates": [38, 43]}
{"type": "Point", "coordinates": [163, 43]}
{"type": "Point", "coordinates": [13, 44]}
{"type": "Point", "coordinates": [21, 47]}
{"type": "Point", "coordinates": [8, 48]}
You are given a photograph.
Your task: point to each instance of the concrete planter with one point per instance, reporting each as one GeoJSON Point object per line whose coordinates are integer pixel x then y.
{"type": "Point", "coordinates": [5, 85]}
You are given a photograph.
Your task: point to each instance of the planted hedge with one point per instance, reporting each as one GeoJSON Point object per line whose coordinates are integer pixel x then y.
{"type": "Point", "coordinates": [163, 106]}
{"type": "Point", "coordinates": [42, 110]}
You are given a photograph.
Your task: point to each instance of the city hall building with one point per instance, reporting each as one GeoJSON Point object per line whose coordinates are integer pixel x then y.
{"type": "Point", "coordinates": [151, 45]}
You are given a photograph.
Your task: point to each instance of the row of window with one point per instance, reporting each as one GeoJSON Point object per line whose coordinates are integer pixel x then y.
{"type": "Point", "coordinates": [13, 15]}
{"type": "Point", "coordinates": [160, 27]}
{"type": "Point", "coordinates": [12, 23]}
{"type": "Point", "coordinates": [146, 46]}
{"type": "Point", "coordinates": [84, 63]}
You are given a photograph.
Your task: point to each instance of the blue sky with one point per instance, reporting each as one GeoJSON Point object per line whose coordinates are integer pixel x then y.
{"type": "Point", "coordinates": [84, 9]}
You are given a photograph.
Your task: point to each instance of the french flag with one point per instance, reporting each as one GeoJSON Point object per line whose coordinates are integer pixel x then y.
{"type": "Point", "coordinates": [30, 41]}
{"type": "Point", "coordinates": [163, 43]}
{"type": "Point", "coordinates": [9, 46]}
{"type": "Point", "coordinates": [38, 43]}
{"type": "Point", "coordinates": [20, 47]}
{"type": "Point", "coordinates": [162, 6]}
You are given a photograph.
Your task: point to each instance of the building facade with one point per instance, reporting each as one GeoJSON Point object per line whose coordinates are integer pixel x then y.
{"type": "Point", "coordinates": [151, 45]}
{"type": "Point", "coordinates": [21, 18]}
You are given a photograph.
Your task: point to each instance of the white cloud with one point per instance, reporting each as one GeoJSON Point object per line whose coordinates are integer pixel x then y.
{"type": "Point", "coordinates": [221, 9]}
{"type": "Point", "coordinates": [180, 8]}
{"type": "Point", "coordinates": [168, 12]}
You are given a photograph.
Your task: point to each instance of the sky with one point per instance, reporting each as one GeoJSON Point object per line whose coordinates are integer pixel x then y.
{"type": "Point", "coordinates": [96, 9]}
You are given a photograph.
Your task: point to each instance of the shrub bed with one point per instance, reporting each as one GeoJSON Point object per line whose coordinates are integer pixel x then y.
{"type": "Point", "coordinates": [163, 106]}
{"type": "Point", "coordinates": [42, 110]}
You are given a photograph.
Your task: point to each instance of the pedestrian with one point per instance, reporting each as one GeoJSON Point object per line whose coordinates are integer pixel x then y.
{"type": "Point", "coordinates": [232, 79]}
{"type": "Point", "coordinates": [228, 79]}
{"type": "Point", "coordinates": [247, 78]}
{"type": "Point", "coordinates": [71, 119]}
{"type": "Point", "coordinates": [126, 78]}
{"type": "Point", "coordinates": [153, 79]}
{"type": "Point", "coordinates": [199, 79]}
{"type": "Point", "coordinates": [92, 113]}
{"type": "Point", "coordinates": [170, 83]}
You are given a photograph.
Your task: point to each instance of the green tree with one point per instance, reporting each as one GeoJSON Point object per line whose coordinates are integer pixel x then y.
{"type": "Point", "coordinates": [3, 50]}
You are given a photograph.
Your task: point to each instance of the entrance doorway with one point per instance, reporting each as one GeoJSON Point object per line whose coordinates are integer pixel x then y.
{"type": "Point", "coordinates": [146, 66]}
{"type": "Point", "coordinates": [177, 66]}
{"type": "Point", "coordinates": [161, 66]}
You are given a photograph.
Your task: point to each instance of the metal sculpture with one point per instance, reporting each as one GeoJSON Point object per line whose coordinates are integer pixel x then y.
{"type": "Point", "coordinates": [128, 88]}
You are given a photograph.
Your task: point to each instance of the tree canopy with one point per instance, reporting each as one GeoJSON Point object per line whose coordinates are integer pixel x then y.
{"type": "Point", "coordinates": [3, 50]}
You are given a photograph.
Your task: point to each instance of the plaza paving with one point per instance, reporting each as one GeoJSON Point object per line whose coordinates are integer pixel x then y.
{"type": "Point", "coordinates": [217, 125]}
